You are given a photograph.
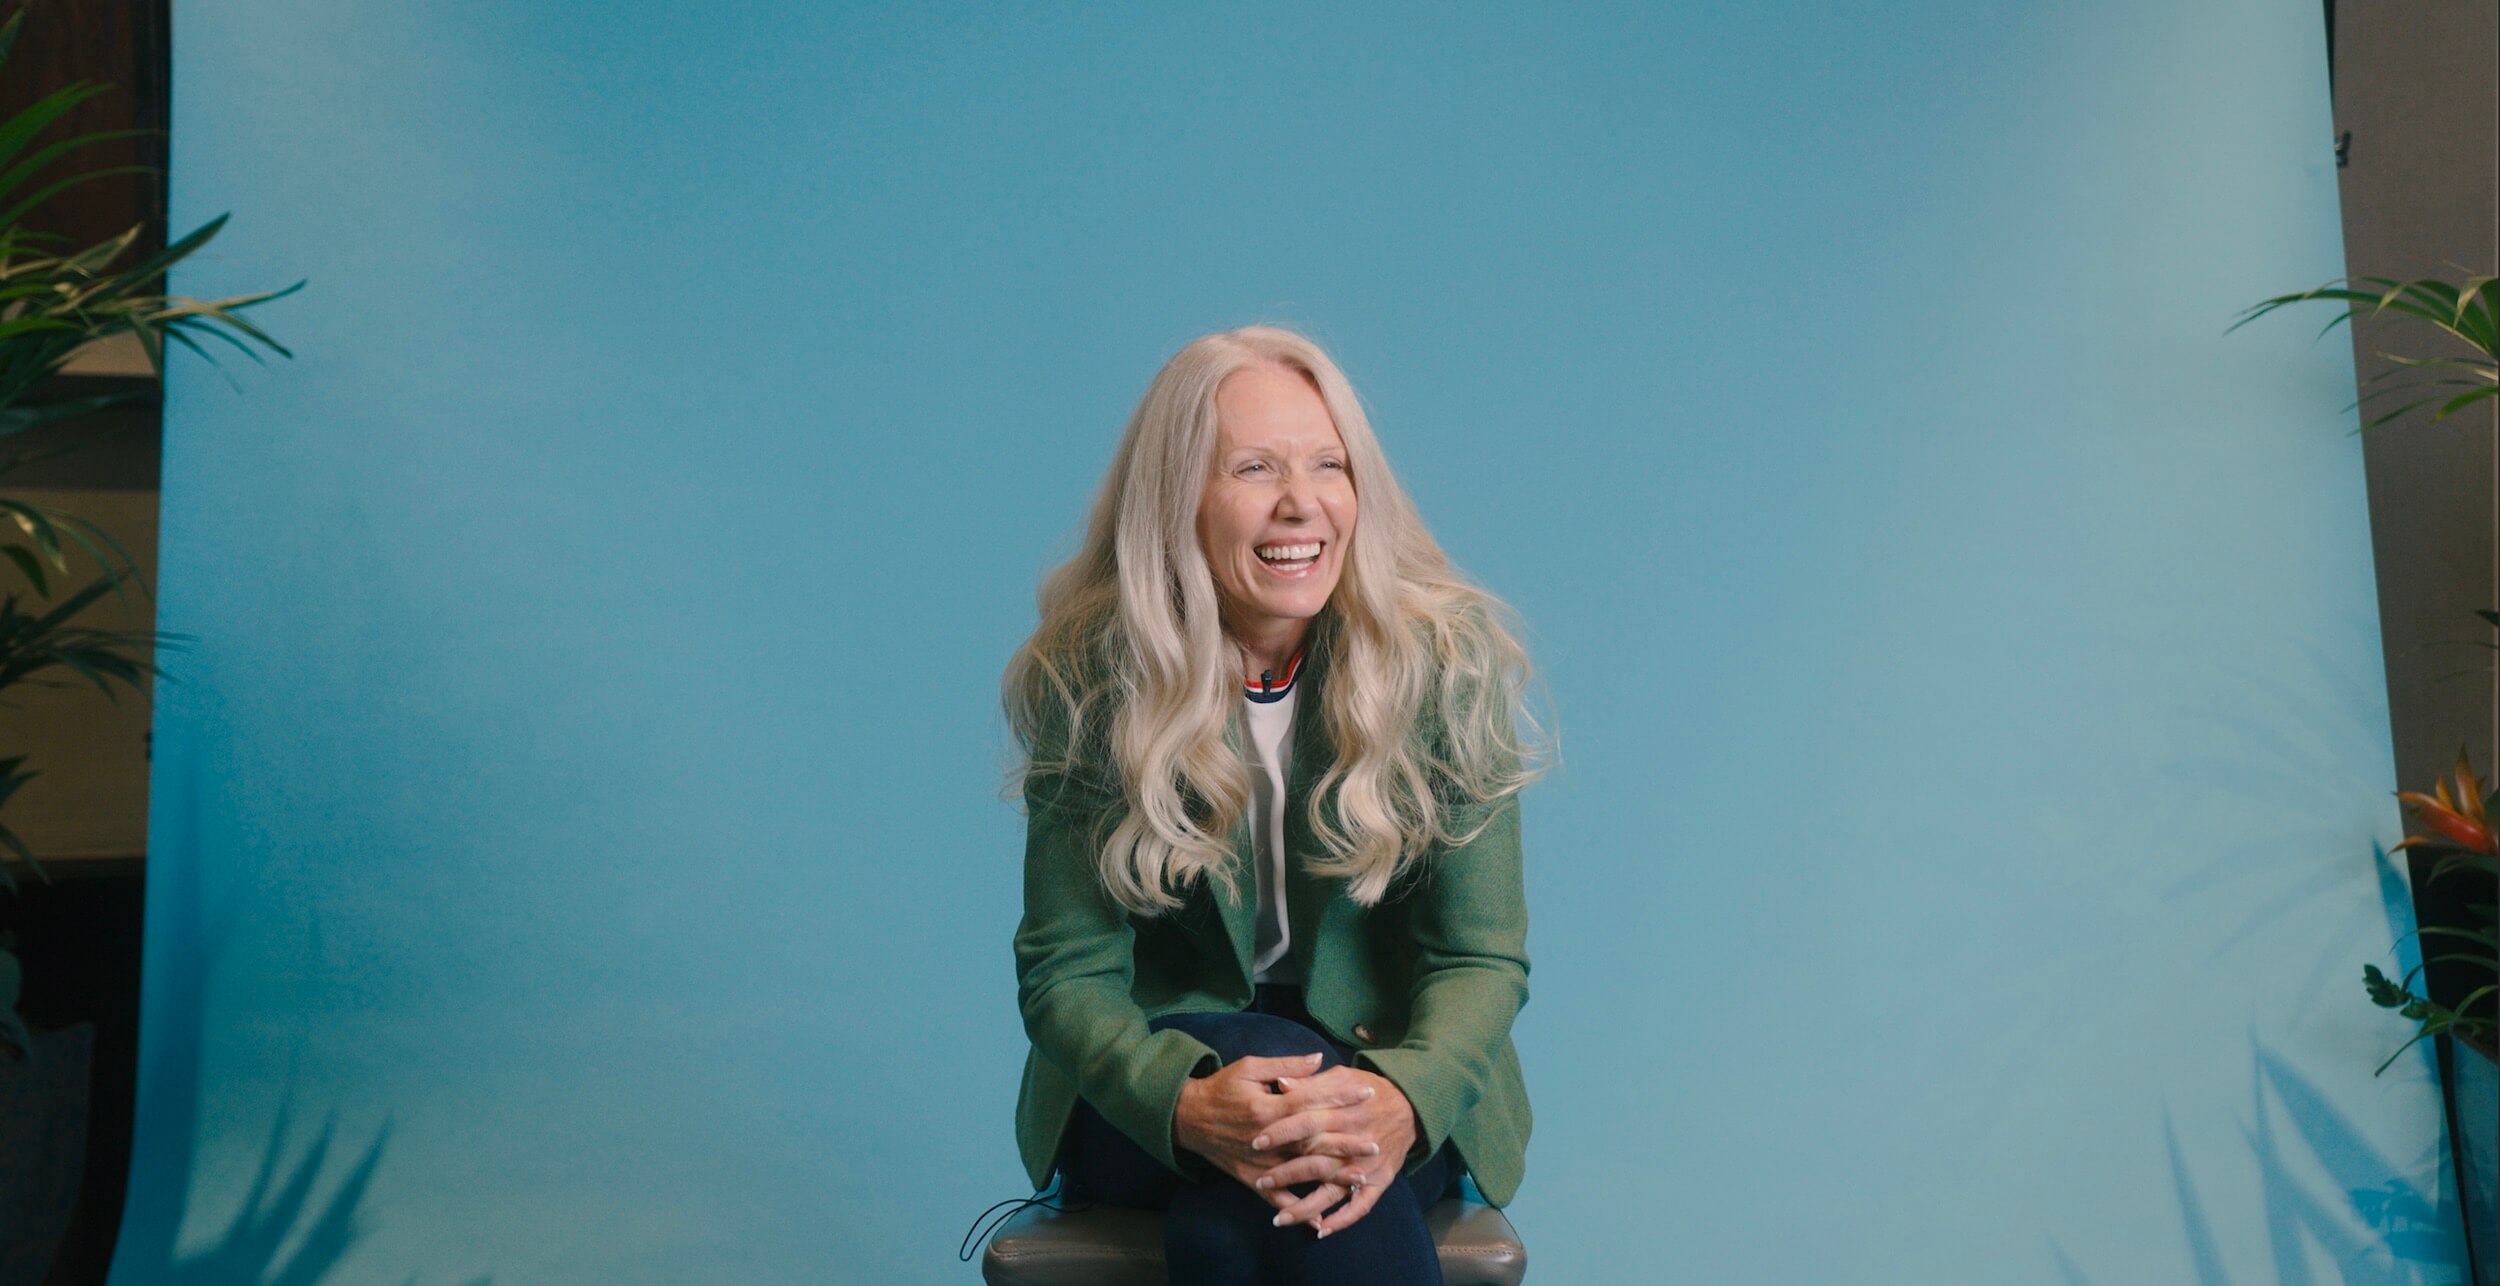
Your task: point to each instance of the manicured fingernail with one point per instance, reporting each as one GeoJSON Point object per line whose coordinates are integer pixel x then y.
{"type": "Point", "coordinates": [1259, 1143]}
{"type": "Point", "coordinates": [1263, 1184]}
{"type": "Point", "coordinates": [1323, 1233]}
{"type": "Point", "coordinates": [1371, 1149]}
{"type": "Point", "coordinates": [1282, 1219]}
{"type": "Point", "coordinates": [1310, 1058]}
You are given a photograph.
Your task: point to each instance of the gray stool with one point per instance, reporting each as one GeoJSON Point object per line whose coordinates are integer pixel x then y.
{"type": "Point", "coordinates": [1109, 1246]}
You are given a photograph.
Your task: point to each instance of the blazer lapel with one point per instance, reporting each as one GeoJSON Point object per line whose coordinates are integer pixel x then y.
{"type": "Point", "coordinates": [1306, 897]}
{"type": "Point", "coordinates": [1240, 907]}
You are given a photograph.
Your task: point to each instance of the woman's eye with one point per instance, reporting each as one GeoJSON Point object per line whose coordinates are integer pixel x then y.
{"type": "Point", "coordinates": [1332, 464]}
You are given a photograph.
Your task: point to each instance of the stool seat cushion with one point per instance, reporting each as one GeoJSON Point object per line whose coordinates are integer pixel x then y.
{"type": "Point", "coordinates": [1112, 1246]}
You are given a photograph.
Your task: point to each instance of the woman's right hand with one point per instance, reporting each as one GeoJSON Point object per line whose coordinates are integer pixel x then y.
{"type": "Point", "coordinates": [1222, 1117]}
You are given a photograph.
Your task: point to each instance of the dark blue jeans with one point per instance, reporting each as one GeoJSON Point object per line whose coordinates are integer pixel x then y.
{"type": "Point", "coordinates": [1217, 1232]}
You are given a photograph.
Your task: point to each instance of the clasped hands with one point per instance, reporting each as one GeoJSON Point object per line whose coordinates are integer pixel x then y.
{"type": "Point", "coordinates": [1272, 1123]}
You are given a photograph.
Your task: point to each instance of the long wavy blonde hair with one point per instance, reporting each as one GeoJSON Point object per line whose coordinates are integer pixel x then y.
{"type": "Point", "coordinates": [1122, 699]}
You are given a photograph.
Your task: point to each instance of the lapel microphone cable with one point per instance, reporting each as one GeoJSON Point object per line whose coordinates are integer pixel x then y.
{"type": "Point", "coordinates": [979, 1236]}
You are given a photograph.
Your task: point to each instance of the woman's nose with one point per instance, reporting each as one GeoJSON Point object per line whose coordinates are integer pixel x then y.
{"type": "Point", "coordinates": [1296, 495]}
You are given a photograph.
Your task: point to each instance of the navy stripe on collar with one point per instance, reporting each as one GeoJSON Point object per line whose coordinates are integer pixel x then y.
{"type": "Point", "coordinates": [1277, 688]}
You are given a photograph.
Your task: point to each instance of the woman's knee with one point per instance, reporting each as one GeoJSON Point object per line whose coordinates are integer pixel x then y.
{"type": "Point", "coordinates": [1249, 1034]}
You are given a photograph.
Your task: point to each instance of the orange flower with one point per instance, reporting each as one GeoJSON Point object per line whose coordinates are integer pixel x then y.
{"type": "Point", "coordinates": [2460, 821]}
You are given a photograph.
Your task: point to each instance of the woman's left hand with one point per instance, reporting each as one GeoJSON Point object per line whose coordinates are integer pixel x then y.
{"type": "Point", "coordinates": [1358, 1149]}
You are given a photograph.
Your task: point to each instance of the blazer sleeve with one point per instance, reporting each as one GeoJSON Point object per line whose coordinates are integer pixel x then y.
{"type": "Point", "coordinates": [1470, 924]}
{"type": "Point", "coordinates": [1074, 964]}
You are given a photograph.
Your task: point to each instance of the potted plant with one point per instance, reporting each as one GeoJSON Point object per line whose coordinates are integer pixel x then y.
{"type": "Point", "coordinates": [54, 301]}
{"type": "Point", "coordinates": [2456, 829]}
{"type": "Point", "coordinates": [2462, 837]}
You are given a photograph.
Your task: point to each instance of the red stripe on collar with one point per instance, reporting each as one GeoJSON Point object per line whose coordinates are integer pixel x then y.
{"type": "Point", "coordinates": [1293, 668]}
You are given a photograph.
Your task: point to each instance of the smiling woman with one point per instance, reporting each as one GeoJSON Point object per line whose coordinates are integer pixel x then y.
{"type": "Point", "coordinates": [1278, 510]}
{"type": "Point", "coordinates": [1236, 676]}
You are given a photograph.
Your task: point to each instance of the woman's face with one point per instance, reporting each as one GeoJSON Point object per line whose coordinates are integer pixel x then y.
{"type": "Point", "coordinates": [1281, 486]}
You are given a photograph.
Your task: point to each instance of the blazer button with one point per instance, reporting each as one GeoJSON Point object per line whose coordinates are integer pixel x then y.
{"type": "Point", "coordinates": [1362, 1033]}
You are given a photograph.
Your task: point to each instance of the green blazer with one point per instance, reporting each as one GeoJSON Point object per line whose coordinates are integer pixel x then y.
{"type": "Point", "coordinates": [1423, 987]}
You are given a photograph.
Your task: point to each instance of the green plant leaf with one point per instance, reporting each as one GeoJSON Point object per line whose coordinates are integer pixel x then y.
{"type": "Point", "coordinates": [2476, 936]}
{"type": "Point", "coordinates": [2417, 402]}
{"type": "Point", "coordinates": [30, 565]}
{"type": "Point", "coordinates": [2469, 311]}
{"type": "Point", "coordinates": [2463, 859]}
{"type": "Point", "coordinates": [46, 528]}
{"type": "Point", "coordinates": [27, 167]}
{"type": "Point", "coordinates": [2400, 1049]}
{"type": "Point", "coordinates": [2383, 993]}
{"type": "Point", "coordinates": [20, 129]}
{"type": "Point", "coordinates": [13, 774]}
{"type": "Point", "coordinates": [2463, 400]}
{"type": "Point", "coordinates": [18, 419]}
{"type": "Point", "coordinates": [58, 303]}
{"type": "Point", "coordinates": [35, 202]}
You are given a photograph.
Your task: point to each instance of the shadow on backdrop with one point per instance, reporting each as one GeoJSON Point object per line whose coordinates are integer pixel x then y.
{"type": "Point", "coordinates": [2403, 1236]}
{"type": "Point", "coordinates": [278, 1210]}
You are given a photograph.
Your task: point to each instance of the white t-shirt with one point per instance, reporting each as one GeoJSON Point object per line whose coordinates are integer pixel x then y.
{"type": "Point", "coordinates": [1268, 717]}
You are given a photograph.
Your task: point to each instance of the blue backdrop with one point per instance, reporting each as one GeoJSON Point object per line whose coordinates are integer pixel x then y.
{"type": "Point", "coordinates": [576, 854]}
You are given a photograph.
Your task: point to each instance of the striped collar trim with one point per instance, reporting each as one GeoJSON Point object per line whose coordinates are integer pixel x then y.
{"type": "Point", "coordinates": [1278, 689]}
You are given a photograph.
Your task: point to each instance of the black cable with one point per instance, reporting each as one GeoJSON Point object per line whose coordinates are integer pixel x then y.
{"type": "Point", "coordinates": [980, 1236]}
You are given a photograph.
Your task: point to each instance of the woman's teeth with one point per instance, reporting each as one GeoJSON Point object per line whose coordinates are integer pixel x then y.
{"type": "Point", "coordinates": [1289, 558]}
